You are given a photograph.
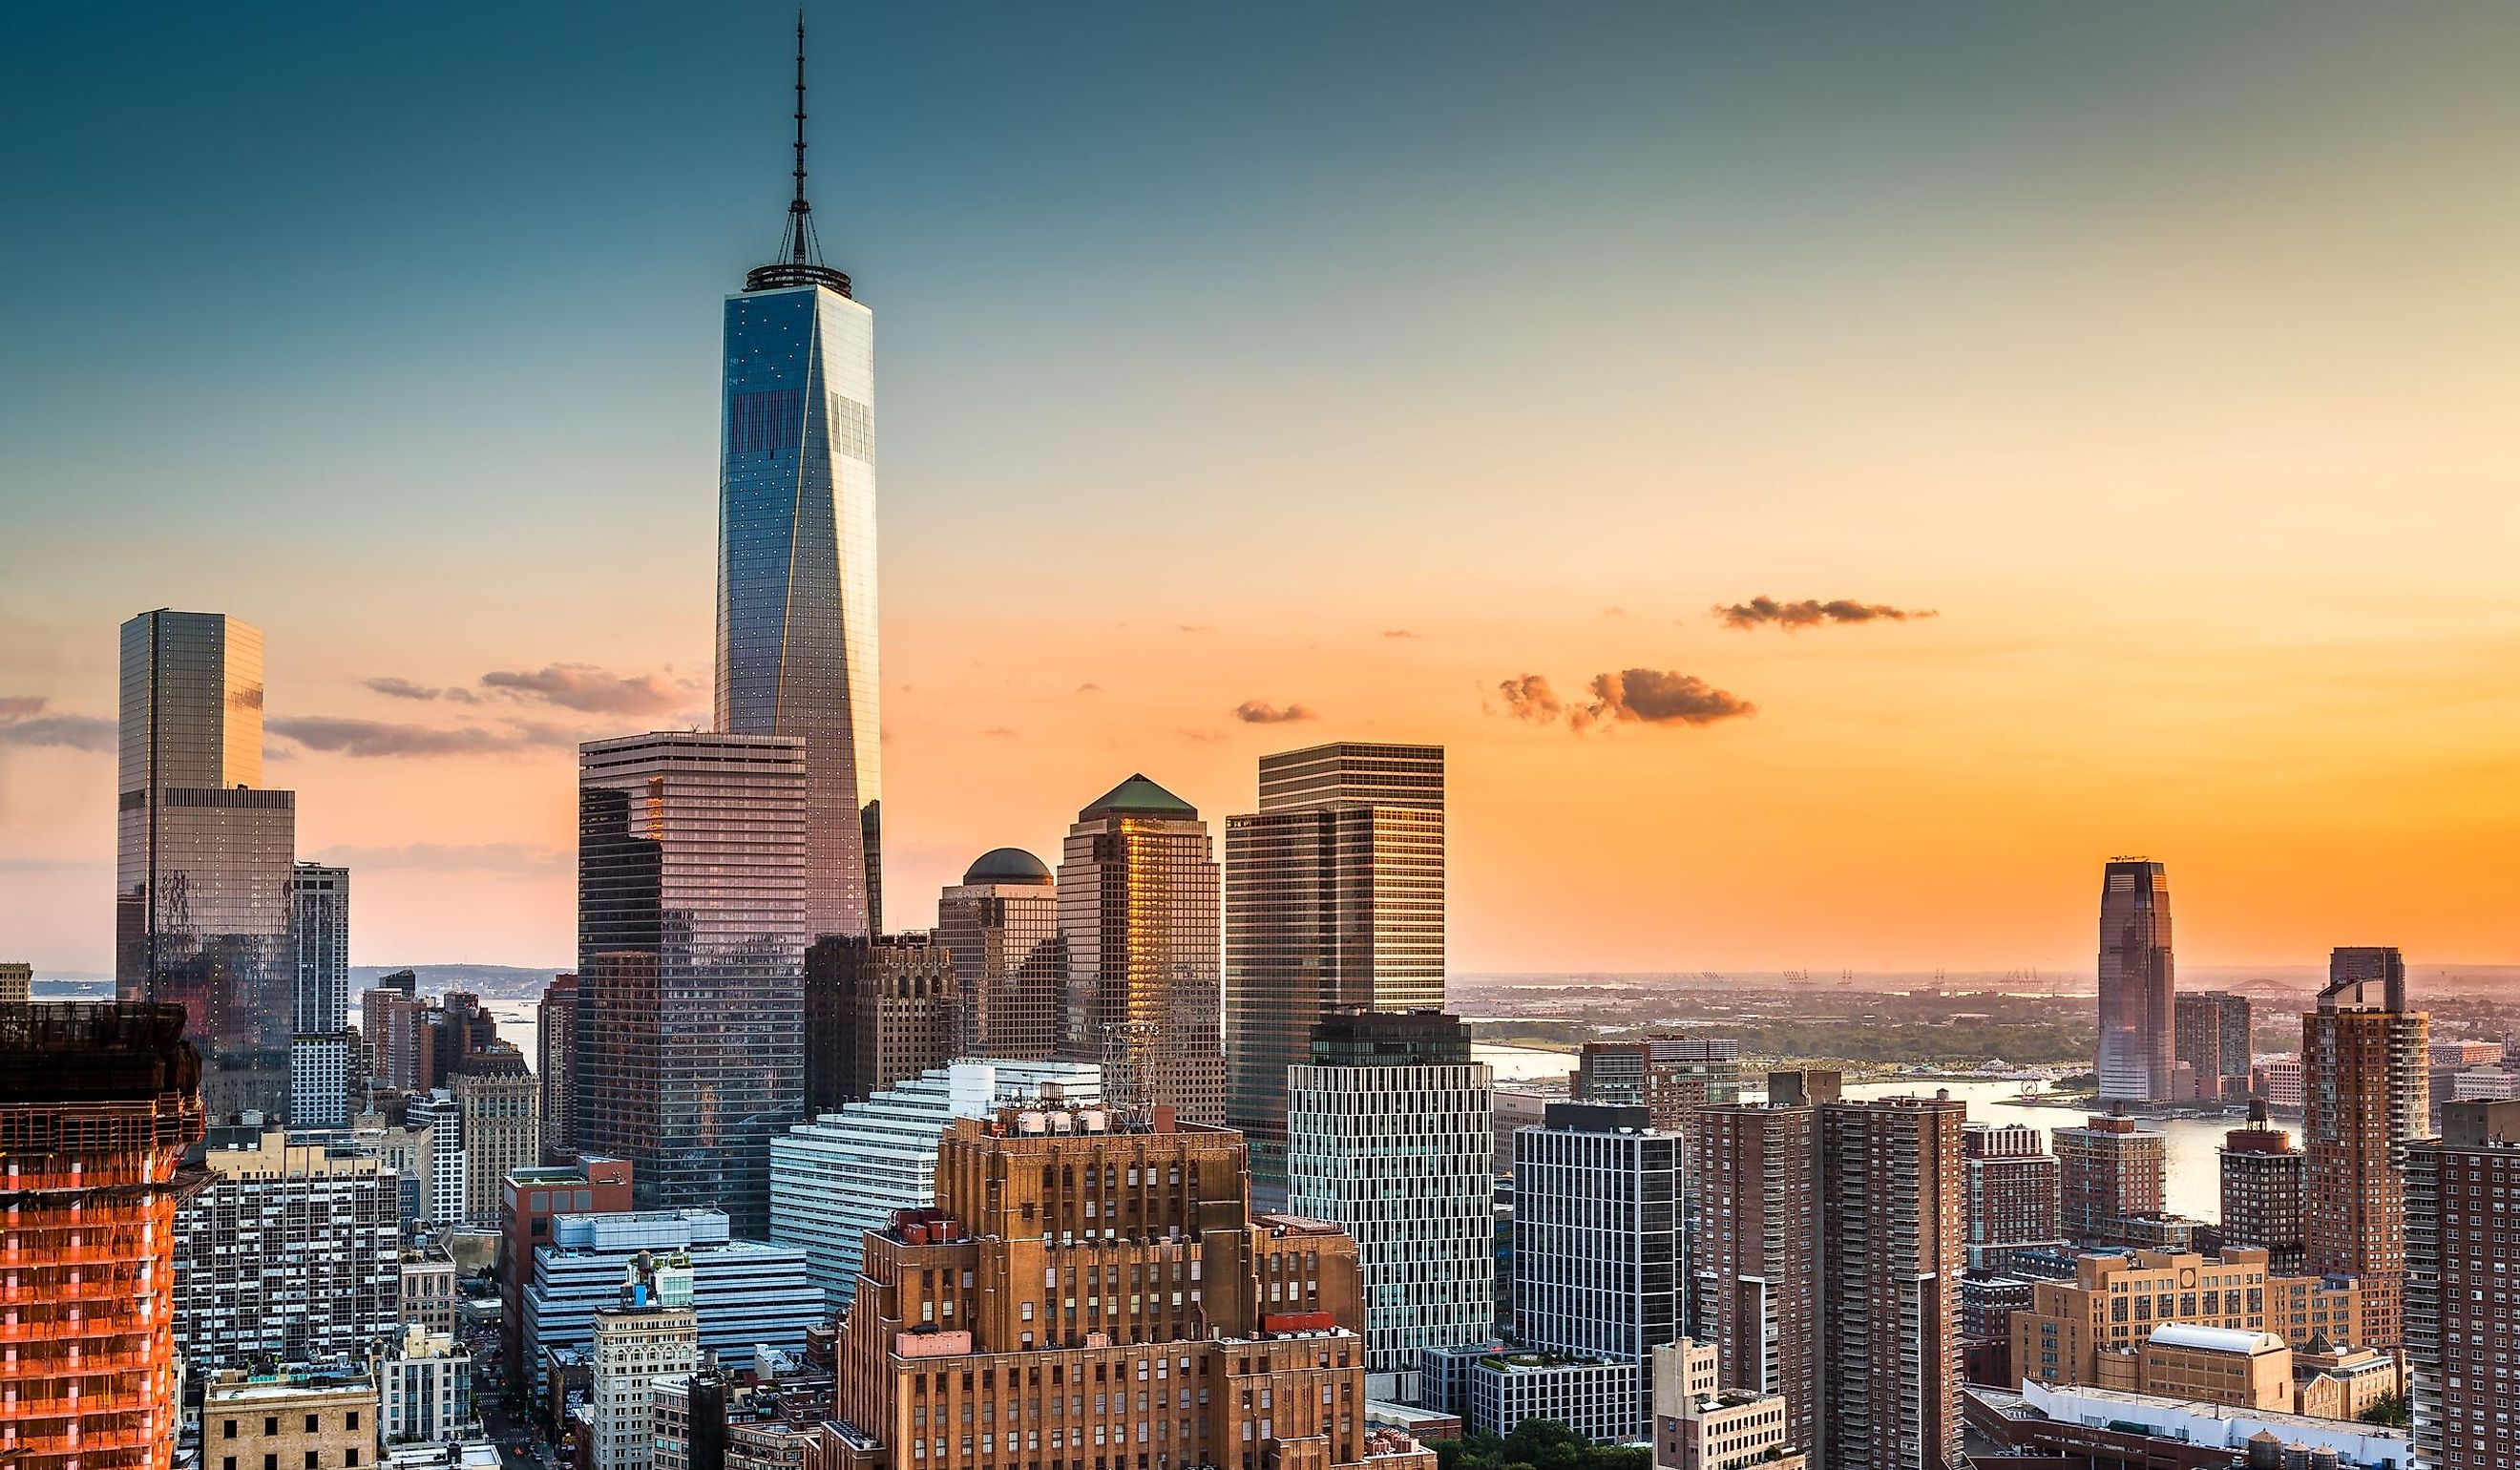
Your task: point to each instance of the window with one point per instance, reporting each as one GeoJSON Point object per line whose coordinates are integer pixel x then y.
{"type": "Point", "coordinates": [227, 1431]}
{"type": "Point", "coordinates": [353, 1423]}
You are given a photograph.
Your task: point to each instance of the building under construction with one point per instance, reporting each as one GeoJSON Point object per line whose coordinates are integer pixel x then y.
{"type": "Point", "coordinates": [98, 1105]}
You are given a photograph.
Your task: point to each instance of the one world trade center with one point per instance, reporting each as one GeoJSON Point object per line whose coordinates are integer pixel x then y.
{"type": "Point", "coordinates": [795, 564]}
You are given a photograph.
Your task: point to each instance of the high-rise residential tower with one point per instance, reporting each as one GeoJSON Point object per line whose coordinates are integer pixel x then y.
{"type": "Point", "coordinates": [1333, 900]}
{"type": "Point", "coordinates": [1136, 907]}
{"type": "Point", "coordinates": [1753, 1257]}
{"type": "Point", "coordinates": [796, 544]}
{"type": "Point", "coordinates": [2365, 1073]}
{"type": "Point", "coordinates": [2011, 1178]}
{"type": "Point", "coordinates": [1390, 1137]}
{"type": "Point", "coordinates": [98, 1105]}
{"type": "Point", "coordinates": [202, 854]}
{"type": "Point", "coordinates": [556, 1065]}
{"type": "Point", "coordinates": [2106, 1171]}
{"type": "Point", "coordinates": [2462, 1299]}
{"type": "Point", "coordinates": [2213, 1042]}
{"type": "Point", "coordinates": [1890, 1187]}
{"type": "Point", "coordinates": [319, 1048]}
{"type": "Point", "coordinates": [2139, 1059]}
{"type": "Point", "coordinates": [1001, 924]}
{"type": "Point", "coordinates": [691, 945]}
{"type": "Point", "coordinates": [2263, 1183]}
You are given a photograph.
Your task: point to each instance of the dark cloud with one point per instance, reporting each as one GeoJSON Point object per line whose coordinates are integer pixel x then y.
{"type": "Point", "coordinates": [23, 722]}
{"type": "Point", "coordinates": [459, 857]}
{"type": "Point", "coordinates": [1656, 696]}
{"type": "Point", "coordinates": [1398, 633]}
{"type": "Point", "coordinates": [403, 689]}
{"type": "Point", "coordinates": [584, 686]}
{"type": "Point", "coordinates": [1811, 612]}
{"type": "Point", "coordinates": [381, 738]}
{"type": "Point", "coordinates": [1528, 697]}
{"type": "Point", "coordinates": [1261, 712]}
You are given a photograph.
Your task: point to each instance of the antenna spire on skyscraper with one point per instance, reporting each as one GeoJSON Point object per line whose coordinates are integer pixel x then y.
{"type": "Point", "coordinates": [801, 250]}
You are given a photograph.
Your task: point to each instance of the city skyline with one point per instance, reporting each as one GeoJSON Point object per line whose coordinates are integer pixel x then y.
{"type": "Point", "coordinates": [1082, 374]}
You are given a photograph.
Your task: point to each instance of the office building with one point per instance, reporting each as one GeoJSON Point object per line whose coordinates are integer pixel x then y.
{"type": "Point", "coordinates": [1138, 911]}
{"type": "Point", "coordinates": [1700, 1425]}
{"type": "Point", "coordinates": [1390, 1138]}
{"type": "Point", "coordinates": [17, 982]}
{"type": "Point", "coordinates": [1000, 925]}
{"type": "Point", "coordinates": [98, 1105]}
{"type": "Point", "coordinates": [646, 1333]}
{"type": "Point", "coordinates": [1890, 1244]}
{"type": "Point", "coordinates": [1334, 901]}
{"type": "Point", "coordinates": [2079, 1426]}
{"type": "Point", "coordinates": [2264, 1179]}
{"type": "Point", "coordinates": [692, 928]}
{"type": "Point", "coordinates": [428, 1296]}
{"type": "Point", "coordinates": [749, 1294]}
{"type": "Point", "coordinates": [796, 553]}
{"type": "Point", "coordinates": [424, 1387]}
{"type": "Point", "coordinates": [446, 1190]}
{"type": "Point", "coordinates": [396, 1030]}
{"type": "Point", "coordinates": [202, 854]}
{"type": "Point", "coordinates": [297, 1418]}
{"type": "Point", "coordinates": [528, 1200]}
{"type": "Point", "coordinates": [500, 1104]}
{"type": "Point", "coordinates": [1670, 1076]}
{"type": "Point", "coordinates": [878, 1010]}
{"type": "Point", "coordinates": [1495, 1389]}
{"type": "Point", "coordinates": [1597, 1238]}
{"type": "Point", "coordinates": [2139, 1058]}
{"type": "Point", "coordinates": [1097, 1262]}
{"type": "Point", "coordinates": [291, 1251]}
{"type": "Point", "coordinates": [556, 1065]}
{"type": "Point", "coordinates": [2363, 1061]}
{"type": "Point", "coordinates": [844, 1173]}
{"type": "Point", "coordinates": [2212, 1038]}
{"type": "Point", "coordinates": [2462, 1300]}
{"type": "Point", "coordinates": [2115, 1299]}
{"type": "Point", "coordinates": [320, 1044]}
{"type": "Point", "coordinates": [2010, 1182]}
{"type": "Point", "coordinates": [2106, 1169]}
{"type": "Point", "coordinates": [2278, 1080]}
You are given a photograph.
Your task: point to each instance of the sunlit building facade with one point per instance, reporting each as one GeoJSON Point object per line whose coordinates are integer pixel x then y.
{"type": "Point", "coordinates": [1137, 909]}
{"type": "Point", "coordinates": [2367, 1098]}
{"type": "Point", "coordinates": [2264, 1181]}
{"type": "Point", "coordinates": [1334, 901]}
{"type": "Point", "coordinates": [2139, 1059]}
{"type": "Point", "coordinates": [1001, 924]}
{"type": "Point", "coordinates": [2213, 1043]}
{"type": "Point", "coordinates": [692, 927]}
{"type": "Point", "coordinates": [202, 854]}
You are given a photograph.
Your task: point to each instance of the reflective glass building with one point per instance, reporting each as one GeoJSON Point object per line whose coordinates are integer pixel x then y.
{"type": "Point", "coordinates": [795, 567]}
{"type": "Point", "coordinates": [691, 934]}
{"type": "Point", "coordinates": [2139, 1058]}
{"type": "Point", "coordinates": [1333, 900]}
{"type": "Point", "coordinates": [202, 854]}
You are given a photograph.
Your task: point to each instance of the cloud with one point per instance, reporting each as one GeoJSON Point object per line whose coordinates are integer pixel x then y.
{"type": "Point", "coordinates": [1202, 737]}
{"type": "Point", "coordinates": [1528, 697]}
{"type": "Point", "coordinates": [1000, 730]}
{"type": "Point", "coordinates": [1655, 696]}
{"type": "Point", "coordinates": [1261, 712]}
{"type": "Point", "coordinates": [460, 856]}
{"type": "Point", "coordinates": [1398, 633]}
{"type": "Point", "coordinates": [403, 689]}
{"type": "Point", "coordinates": [585, 688]}
{"type": "Point", "coordinates": [383, 738]}
{"type": "Point", "coordinates": [23, 722]}
{"type": "Point", "coordinates": [1089, 688]}
{"type": "Point", "coordinates": [1193, 627]}
{"type": "Point", "coordinates": [1811, 612]}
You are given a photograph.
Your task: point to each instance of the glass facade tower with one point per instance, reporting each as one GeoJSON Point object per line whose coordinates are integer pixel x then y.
{"type": "Point", "coordinates": [1333, 900]}
{"type": "Point", "coordinates": [691, 925]}
{"type": "Point", "coordinates": [2139, 1057]}
{"type": "Point", "coordinates": [319, 1055]}
{"type": "Point", "coordinates": [202, 854]}
{"type": "Point", "coordinates": [795, 566]}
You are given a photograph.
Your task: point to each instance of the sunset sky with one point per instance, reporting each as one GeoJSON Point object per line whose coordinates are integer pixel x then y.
{"type": "Point", "coordinates": [1360, 358]}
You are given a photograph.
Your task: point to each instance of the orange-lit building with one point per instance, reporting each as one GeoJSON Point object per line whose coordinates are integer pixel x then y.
{"type": "Point", "coordinates": [97, 1103]}
{"type": "Point", "coordinates": [2364, 1058]}
{"type": "Point", "coordinates": [1092, 1293]}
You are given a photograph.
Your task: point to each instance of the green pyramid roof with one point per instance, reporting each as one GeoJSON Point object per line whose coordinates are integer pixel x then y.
{"type": "Point", "coordinates": [1139, 796]}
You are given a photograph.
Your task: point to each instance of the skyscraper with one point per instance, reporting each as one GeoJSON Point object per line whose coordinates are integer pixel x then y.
{"type": "Point", "coordinates": [98, 1103]}
{"type": "Point", "coordinates": [2011, 1182]}
{"type": "Point", "coordinates": [319, 1048]}
{"type": "Point", "coordinates": [1390, 1137]}
{"type": "Point", "coordinates": [1334, 900]}
{"type": "Point", "coordinates": [2462, 1302]}
{"type": "Point", "coordinates": [288, 1252]}
{"type": "Point", "coordinates": [2106, 1169]}
{"type": "Point", "coordinates": [2212, 1041]}
{"type": "Point", "coordinates": [2263, 1183]}
{"type": "Point", "coordinates": [878, 1010]}
{"type": "Point", "coordinates": [1136, 907]}
{"type": "Point", "coordinates": [203, 853]}
{"type": "Point", "coordinates": [1001, 924]}
{"type": "Point", "coordinates": [555, 1064]}
{"type": "Point", "coordinates": [796, 544]}
{"type": "Point", "coordinates": [1597, 1236]}
{"type": "Point", "coordinates": [500, 1104]}
{"type": "Point", "coordinates": [1890, 1274]}
{"type": "Point", "coordinates": [691, 946]}
{"type": "Point", "coordinates": [2139, 1058]}
{"type": "Point", "coordinates": [2364, 1068]}
{"type": "Point", "coordinates": [1754, 1258]}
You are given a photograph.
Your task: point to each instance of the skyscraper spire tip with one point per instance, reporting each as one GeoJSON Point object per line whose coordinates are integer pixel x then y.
{"type": "Point", "coordinates": [800, 251]}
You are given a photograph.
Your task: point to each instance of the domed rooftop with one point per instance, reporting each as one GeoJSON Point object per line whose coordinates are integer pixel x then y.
{"type": "Point", "coordinates": [1006, 865]}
